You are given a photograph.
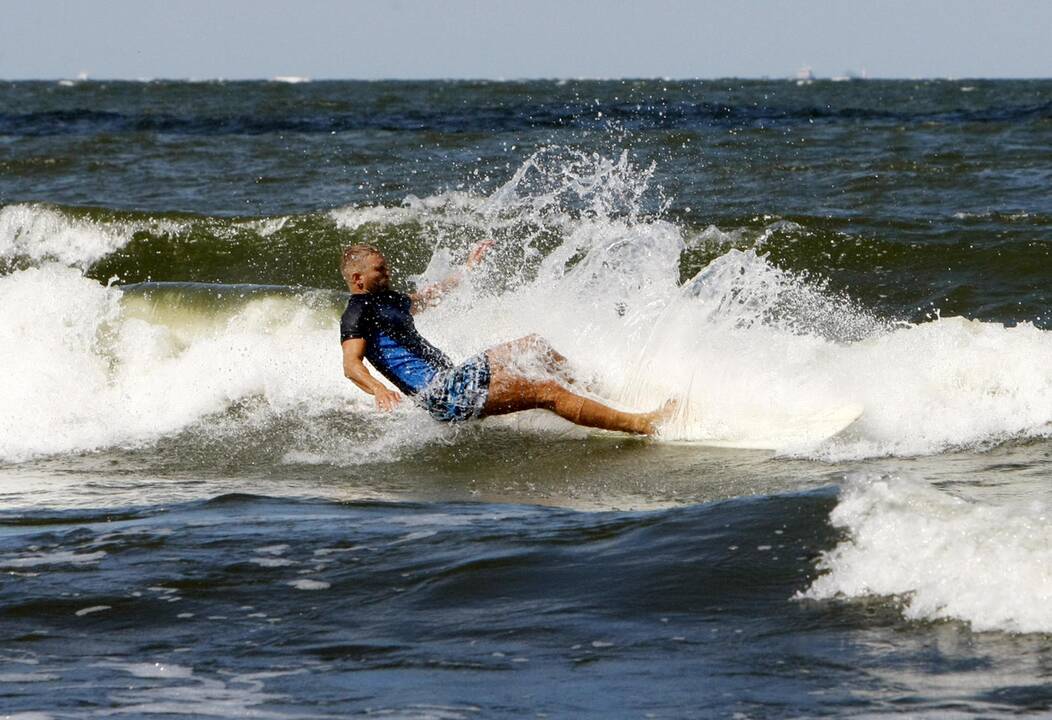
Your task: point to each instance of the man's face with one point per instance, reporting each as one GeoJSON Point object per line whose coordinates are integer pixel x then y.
{"type": "Point", "coordinates": [373, 275]}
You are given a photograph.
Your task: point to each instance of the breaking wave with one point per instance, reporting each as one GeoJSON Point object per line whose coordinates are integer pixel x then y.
{"type": "Point", "coordinates": [585, 254]}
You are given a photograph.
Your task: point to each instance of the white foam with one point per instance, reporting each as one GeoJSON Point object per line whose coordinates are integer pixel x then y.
{"type": "Point", "coordinates": [608, 296]}
{"type": "Point", "coordinates": [27, 677]}
{"type": "Point", "coordinates": [82, 372]}
{"type": "Point", "coordinates": [157, 670]}
{"type": "Point", "coordinates": [273, 562]}
{"type": "Point", "coordinates": [273, 549]}
{"type": "Point", "coordinates": [744, 346]}
{"type": "Point", "coordinates": [747, 348]}
{"type": "Point", "coordinates": [305, 584]}
{"type": "Point", "coordinates": [413, 537]}
{"type": "Point", "coordinates": [178, 690]}
{"type": "Point", "coordinates": [450, 208]}
{"type": "Point", "coordinates": [427, 712]}
{"type": "Point", "coordinates": [39, 233]}
{"type": "Point", "coordinates": [92, 610]}
{"type": "Point", "coordinates": [989, 565]}
{"type": "Point", "coordinates": [265, 227]}
{"type": "Point", "coordinates": [62, 557]}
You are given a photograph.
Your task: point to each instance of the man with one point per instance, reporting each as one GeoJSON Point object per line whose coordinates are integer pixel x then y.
{"type": "Point", "coordinates": [378, 326]}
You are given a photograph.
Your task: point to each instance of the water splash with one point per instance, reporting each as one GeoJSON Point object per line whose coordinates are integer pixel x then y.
{"type": "Point", "coordinates": [583, 255]}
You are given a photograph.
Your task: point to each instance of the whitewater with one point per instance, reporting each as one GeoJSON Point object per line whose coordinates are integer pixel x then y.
{"type": "Point", "coordinates": [742, 345]}
{"type": "Point", "coordinates": [197, 507]}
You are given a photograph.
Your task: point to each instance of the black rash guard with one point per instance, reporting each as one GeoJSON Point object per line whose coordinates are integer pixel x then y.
{"type": "Point", "coordinates": [392, 343]}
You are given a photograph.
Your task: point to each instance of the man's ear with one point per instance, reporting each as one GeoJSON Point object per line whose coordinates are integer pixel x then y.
{"type": "Point", "coordinates": [355, 278]}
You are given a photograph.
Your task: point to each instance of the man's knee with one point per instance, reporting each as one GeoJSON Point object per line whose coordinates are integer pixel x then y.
{"type": "Point", "coordinates": [549, 393]}
{"type": "Point", "coordinates": [536, 344]}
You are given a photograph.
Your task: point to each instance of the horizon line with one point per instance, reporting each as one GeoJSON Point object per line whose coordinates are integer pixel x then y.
{"type": "Point", "coordinates": [304, 79]}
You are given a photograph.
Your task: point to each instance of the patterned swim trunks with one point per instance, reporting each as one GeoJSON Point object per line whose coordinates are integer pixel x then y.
{"type": "Point", "coordinates": [460, 393]}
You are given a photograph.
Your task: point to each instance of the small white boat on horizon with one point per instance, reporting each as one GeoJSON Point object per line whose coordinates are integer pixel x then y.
{"type": "Point", "coordinates": [805, 76]}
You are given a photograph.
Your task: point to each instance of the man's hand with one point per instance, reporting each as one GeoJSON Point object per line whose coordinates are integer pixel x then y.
{"type": "Point", "coordinates": [478, 252]}
{"type": "Point", "coordinates": [430, 295]}
{"type": "Point", "coordinates": [356, 372]}
{"type": "Point", "coordinates": [386, 400]}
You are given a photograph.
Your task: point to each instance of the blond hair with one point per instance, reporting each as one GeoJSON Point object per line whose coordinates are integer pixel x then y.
{"type": "Point", "coordinates": [353, 255]}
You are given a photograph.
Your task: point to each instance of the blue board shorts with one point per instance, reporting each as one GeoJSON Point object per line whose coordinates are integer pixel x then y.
{"type": "Point", "coordinates": [460, 393]}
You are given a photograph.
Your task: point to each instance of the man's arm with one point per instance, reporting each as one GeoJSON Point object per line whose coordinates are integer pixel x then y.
{"type": "Point", "coordinates": [432, 294]}
{"type": "Point", "coordinates": [355, 370]}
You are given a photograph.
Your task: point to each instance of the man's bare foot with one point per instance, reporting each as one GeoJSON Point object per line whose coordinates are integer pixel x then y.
{"type": "Point", "coordinates": [652, 421]}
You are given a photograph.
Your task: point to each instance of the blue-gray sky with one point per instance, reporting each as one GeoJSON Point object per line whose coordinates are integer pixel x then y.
{"type": "Point", "coordinates": [372, 39]}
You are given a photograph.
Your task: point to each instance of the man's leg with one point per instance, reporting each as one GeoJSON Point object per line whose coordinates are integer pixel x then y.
{"type": "Point", "coordinates": [531, 350]}
{"type": "Point", "coordinates": [510, 392]}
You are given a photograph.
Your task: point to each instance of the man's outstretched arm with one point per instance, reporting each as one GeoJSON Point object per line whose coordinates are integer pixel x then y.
{"type": "Point", "coordinates": [432, 294]}
{"type": "Point", "coordinates": [355, 371]}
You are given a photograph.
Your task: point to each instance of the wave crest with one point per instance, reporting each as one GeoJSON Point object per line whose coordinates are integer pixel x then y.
{"type": "Point", "coordinates": [943, 557]}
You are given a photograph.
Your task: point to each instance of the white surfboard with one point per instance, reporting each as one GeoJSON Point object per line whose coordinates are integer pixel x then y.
{"type": "Point", "coordinates": [756, 430]}
{"type": "Point", "coordinates": [790, 432]}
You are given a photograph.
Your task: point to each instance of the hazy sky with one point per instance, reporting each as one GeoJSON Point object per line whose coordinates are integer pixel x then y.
{"type": "Point", "coordinates": [523, 38]}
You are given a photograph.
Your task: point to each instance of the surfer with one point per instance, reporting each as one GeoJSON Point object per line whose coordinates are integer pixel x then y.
{"type": "Point", "coordinates": [378, 325]}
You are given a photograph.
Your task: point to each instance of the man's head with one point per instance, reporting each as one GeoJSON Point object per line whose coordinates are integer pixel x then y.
{"type": "Point", "coordinates": [364, 269]}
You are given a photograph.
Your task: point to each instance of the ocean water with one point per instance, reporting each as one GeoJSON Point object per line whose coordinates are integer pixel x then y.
{"type": "Point", "coordinates": [200, 517]}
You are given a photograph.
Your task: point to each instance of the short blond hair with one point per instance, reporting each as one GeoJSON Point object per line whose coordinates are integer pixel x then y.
{"type": "Point", "coordinates": [353, 255]}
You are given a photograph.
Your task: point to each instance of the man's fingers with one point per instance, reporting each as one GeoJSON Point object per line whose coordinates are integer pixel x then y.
{"type": "Point", "coordinates": [477, 252]}
{"type": "Point", "coordinates": [388, 400]}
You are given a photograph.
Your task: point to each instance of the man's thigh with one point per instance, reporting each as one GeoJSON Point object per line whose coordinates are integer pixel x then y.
{"type": "Point", "coordinates": [511, 392]}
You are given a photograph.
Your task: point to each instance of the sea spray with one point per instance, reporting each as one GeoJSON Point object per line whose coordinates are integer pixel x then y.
{"type": "Point", "coordinates": [36, 233]}
{"type": "Point", "coordinates": [746, 347]}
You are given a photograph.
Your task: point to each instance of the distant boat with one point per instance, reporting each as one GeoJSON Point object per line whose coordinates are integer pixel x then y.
{"type": "Point", "coordinates": [82, 76]}
{"type": "Point", "coordinates": [291, 79]}
{"type": "Point", "coordinates": [804, 76]}
{"type": "Point", "coordinates": [850, 75]}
